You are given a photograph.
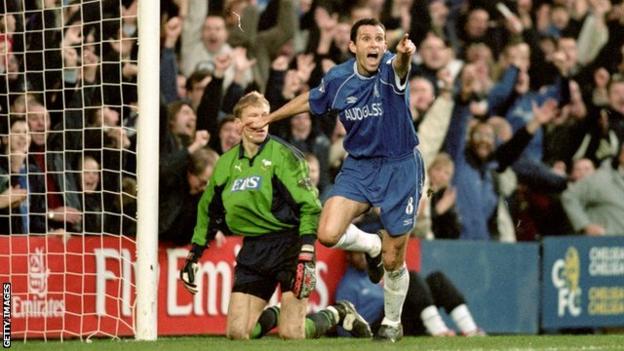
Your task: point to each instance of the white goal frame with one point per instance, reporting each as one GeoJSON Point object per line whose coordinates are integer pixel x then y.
{"type": "Point", "coordinates": [146, 316]}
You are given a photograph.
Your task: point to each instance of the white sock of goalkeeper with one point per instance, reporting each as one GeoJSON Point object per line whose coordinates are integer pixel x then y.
{"type": "Point", "coordinates": [355, 239]}
{"type": "Point", "coordinates": [433, 321]}
{"type": "Point", "coordinates": [334, 313]}
{"type": "Point", "coordinates": [463, 319]}
{"type": "Point", "coordinates": [395, 289]}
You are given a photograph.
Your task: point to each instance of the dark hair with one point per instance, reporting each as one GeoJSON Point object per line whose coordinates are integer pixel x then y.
{"type": "Point", "coordinates": [365, 22]}
{"type": "Point", "coordinates": [422, 78]}
{"type": "Point", "coordinates": [201, 159]}
{"type": "Point", "coordinates": [480, 123]}
{"type": "Point", "coordinates": [5, 127]}
{"type": "Point", "coordinates": [196, 77]}
{"type": "Point", "coordinates": [173, 109]}
{"type": "Point", "coordinates": [566, 35]}
{"type": "Point", "coordinates": [224, 121]}
{"type": "Point", "coordinates": [558, 7]}
{"type": "Point", "coordinates": [432, 34]}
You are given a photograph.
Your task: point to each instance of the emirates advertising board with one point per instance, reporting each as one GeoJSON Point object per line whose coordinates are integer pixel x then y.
{"type": "Point", "coordinates": [86, 286]}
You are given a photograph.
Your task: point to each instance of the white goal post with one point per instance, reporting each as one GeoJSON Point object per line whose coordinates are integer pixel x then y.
{"type": "Point", "coordinates": [147, 170]}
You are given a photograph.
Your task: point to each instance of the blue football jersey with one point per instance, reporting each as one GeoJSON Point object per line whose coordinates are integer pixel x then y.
{"type": "Point", "coordinates": [374, 110]}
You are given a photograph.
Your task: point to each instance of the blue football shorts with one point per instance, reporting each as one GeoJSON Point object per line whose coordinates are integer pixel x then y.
{"type": "Point", "coordinates": [392, 184]}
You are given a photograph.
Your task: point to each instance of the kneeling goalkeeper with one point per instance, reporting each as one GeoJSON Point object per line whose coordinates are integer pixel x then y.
{"type": "Point", "coordinates": [261, 189]}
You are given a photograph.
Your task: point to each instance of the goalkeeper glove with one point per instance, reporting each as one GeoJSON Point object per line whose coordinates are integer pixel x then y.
{"type": "Point", "coordinates": [305, 275]}
{"type": "Point", "coordinates": [187, 274]}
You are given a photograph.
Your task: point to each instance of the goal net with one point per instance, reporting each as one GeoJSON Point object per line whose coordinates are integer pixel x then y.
{"type": "Point", "coordinates": [68, 204]}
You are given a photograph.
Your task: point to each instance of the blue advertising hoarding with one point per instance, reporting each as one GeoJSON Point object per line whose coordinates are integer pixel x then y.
{"type": "Point", "coordinates": [499, 281]}
{"type": "Point", "coordinates": [583, 282]}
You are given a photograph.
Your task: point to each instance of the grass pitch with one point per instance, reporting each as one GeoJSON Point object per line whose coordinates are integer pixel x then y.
{"type": "Point", "coordinates": [503, 343]}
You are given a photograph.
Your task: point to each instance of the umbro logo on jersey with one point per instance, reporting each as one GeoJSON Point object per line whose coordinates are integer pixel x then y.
{"type": "Point", "coordinates": [351, 100]}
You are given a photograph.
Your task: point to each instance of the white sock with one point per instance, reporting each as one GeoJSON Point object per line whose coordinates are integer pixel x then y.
{"type": "Point", "coordinates": [433, 321]}
{"type": "Point", "coordinates": [395, 289]}
{"type": "Point", "coordinates": [463, 319]}
{"type": "Point", "coordinates": [334, 312]}
{"type": "Point", "coordinates": [355, 239]}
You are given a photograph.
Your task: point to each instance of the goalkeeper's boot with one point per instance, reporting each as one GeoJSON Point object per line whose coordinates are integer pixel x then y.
{"type": "Point", "coordinates": [351, 320]}
{"type": "Point", "coordinates": [389, 333]}
{"type": "Point", "coordinates": [375, 265]}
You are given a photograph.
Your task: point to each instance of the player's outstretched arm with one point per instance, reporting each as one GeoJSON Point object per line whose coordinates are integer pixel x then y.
{"type": "Point", "coordinates": [295, 106]}
{"type": "Point", "coordinates": [405, 49]}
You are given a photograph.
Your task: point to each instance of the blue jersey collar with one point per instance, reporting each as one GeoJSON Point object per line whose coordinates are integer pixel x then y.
{"type": "Point", "coordinates": [361, 76]}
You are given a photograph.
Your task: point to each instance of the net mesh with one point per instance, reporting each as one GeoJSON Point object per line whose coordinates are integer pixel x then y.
{"type": "Point", "coordinates": [68, 98]}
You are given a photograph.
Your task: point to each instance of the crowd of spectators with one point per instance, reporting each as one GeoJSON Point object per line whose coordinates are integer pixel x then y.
{"type": "Point", "coordinates": [514, 109]}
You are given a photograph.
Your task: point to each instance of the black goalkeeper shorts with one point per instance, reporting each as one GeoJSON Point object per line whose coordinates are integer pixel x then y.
{"type": "Point", "coordinates": [265, 261]}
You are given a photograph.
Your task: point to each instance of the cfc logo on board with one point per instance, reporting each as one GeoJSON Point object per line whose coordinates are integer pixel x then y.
{"type": "Point", "coordinates": [565, 276]}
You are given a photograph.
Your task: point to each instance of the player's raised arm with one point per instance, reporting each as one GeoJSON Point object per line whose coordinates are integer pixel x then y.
{"type": "Point", "coordinates": [405, 49]}
{"type": "Point", "coordinates": [295, 106]}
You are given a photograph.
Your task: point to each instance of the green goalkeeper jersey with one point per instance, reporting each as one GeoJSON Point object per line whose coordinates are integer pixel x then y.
{"type": "Point", "coordinates": [268, 193]}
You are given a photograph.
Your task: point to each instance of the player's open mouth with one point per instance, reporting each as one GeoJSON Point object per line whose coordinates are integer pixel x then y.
{"type": "Point", "coordinates": [372, 55]}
